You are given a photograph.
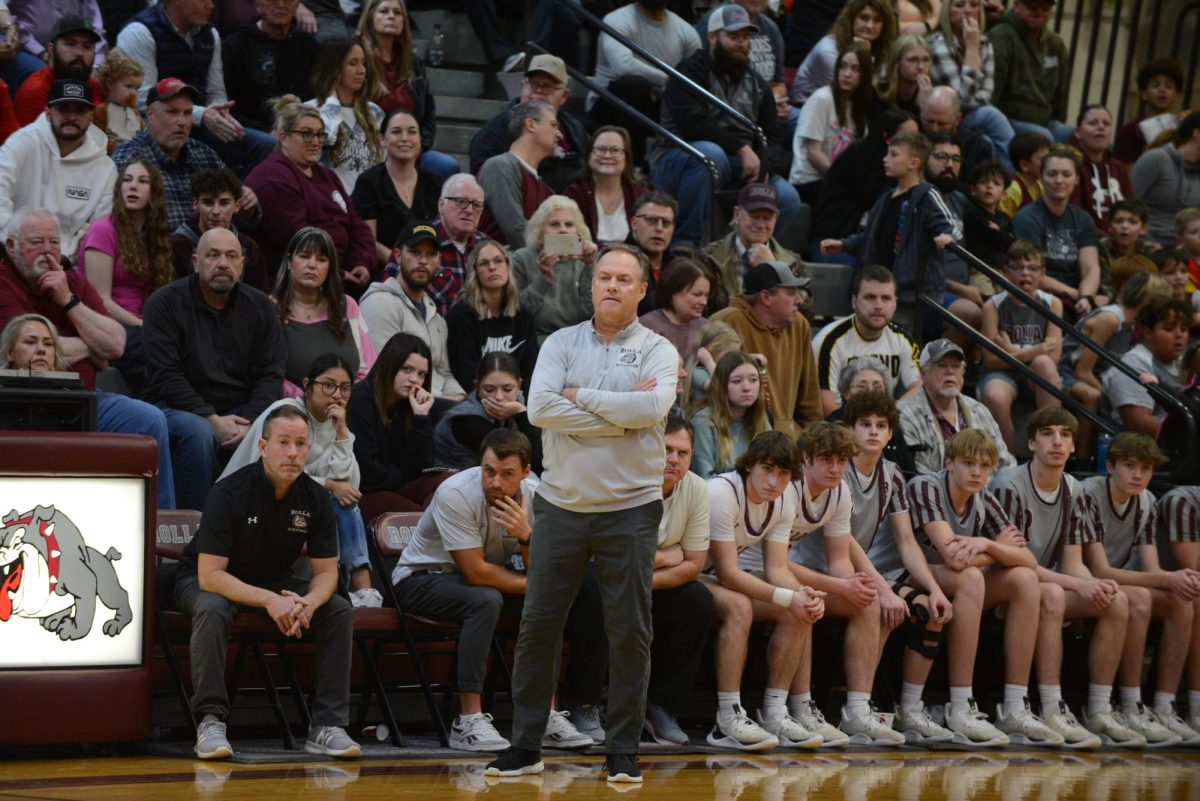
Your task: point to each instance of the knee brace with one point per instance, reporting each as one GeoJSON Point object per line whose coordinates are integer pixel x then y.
{"type": "Point", "coordinates": [921, 639]}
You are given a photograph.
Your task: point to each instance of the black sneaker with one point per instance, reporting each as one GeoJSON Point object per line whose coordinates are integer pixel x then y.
{"type": "Point", "coordinates": [623, 768]}
{"type": "Point", "coordinates": [517, 762]}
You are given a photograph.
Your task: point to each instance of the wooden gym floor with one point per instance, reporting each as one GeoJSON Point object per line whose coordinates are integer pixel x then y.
{"type": "Point", "coordinates": [857, 775]}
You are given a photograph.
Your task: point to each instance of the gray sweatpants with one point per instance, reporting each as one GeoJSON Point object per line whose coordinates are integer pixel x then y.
{"type": "Point", "coordinates": [622, 543]}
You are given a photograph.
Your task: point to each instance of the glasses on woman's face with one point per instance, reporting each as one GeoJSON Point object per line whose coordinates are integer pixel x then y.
{"type": "Point", "coordinates": [308, 136]}
{"type": "Point", "coordinates": [332, 389]}
{"type": "Point", "coordinates": [608, 150]}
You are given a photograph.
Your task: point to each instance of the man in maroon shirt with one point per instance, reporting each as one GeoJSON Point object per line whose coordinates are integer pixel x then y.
{"type": "Point", "coordinates": [71, 50]}
{"type": "Point", "coordinates": [32, 280]}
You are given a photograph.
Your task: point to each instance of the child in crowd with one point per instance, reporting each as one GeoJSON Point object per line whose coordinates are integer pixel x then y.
{"type": "Point", "coordinates": [1187, 239]}
{"type": "Point", "coordinates": [988, 230]}
{"type": "Point", "coordinates": [731, 419]}
{"type": "Point", "coordinates": [1160, 83]}
{"type": "Point", "coordinates": [1164, 328]}
{"type": "Point", "coordinates": [1125, 249]}
{"type": "Point", "coordinates": [1024, 334]}
{"type": "Point", "coordinates": [1172, 266]}
{"type": "Point", "coordinates": [1026, 151]}
{"type": "Point", "coordinates": [715, 341]}
{"type": "Point", "coordinates": [119, 118]}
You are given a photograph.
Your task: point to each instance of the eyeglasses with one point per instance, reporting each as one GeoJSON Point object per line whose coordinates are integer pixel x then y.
{"type": "Point", "coordinates": [308, 136]}
{"type": "Point", "coordinates": [541, 87]}
{"type": "Point", "coordinates": [656, 222]}
{"type": "Point", "coordinates": [946, 157]}
{"type": "Point", "coordinates": [603, 150]}
{"type": "Point", "coordinates": [464, 203]}
{"type": "Point", "coordinates": [333, 389]}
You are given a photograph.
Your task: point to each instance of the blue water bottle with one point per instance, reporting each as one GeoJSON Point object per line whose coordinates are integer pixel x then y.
{"type": "Point", "coordinates": [1102, 443]}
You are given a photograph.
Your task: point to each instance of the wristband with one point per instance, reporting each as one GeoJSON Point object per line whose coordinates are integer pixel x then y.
{"type": "Point", "coordinates": [783, 597]}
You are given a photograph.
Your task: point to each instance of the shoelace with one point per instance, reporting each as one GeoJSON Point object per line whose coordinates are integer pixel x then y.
{"type": "Point", "coordinates": [815, 711]}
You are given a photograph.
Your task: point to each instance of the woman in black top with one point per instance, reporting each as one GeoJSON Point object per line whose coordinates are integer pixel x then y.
{"type": "Point", "coordinates": [390, 195]}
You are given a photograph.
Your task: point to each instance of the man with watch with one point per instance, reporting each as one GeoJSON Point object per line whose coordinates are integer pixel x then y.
{"type": "Point", "coordinates": [461, 565]}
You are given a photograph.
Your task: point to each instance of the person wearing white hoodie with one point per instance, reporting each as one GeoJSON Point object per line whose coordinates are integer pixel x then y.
{"type": "Point", "coordinates": [59, 162]}
{"type": "Point", "coordinates": [401, 305]}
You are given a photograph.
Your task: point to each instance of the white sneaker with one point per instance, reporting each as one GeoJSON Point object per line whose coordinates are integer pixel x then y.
{"type": "Point", "coordinates": [1111, 727]}
{"type": "Point", "coordinates": [971, 727]}
{"type": "Point", "coordinates": [1171, 719]}
{"type": "Point", "coordinates": [476, 733]}
{"type": "Point", "coordinates": [810, 718]}
{"type": "Point", "coordinates": [918, 727]}
{"type": "Point", "coordinates": [789, 731]}
{"type": "Point", "coordinates": [1146, 723]}
{"type": "Point", "coordinates": [1025, 728]}
{"type": "Point", "coordinates": [871, 728]}
{"type": "Point", "coordinates": [739, 731]}
{"type": "Point", "coordinates": [1073, 733]}
{"type": "Point", "coordinates": [366, 598]}
{"type": "Point", "coordinates": [561, 734]}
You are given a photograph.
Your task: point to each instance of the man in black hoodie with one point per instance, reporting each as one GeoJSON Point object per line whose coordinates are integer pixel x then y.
{"type": "Point", "coordinates": [265, 59]}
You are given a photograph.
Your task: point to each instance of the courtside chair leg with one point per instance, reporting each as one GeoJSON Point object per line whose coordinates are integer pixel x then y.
{"type": "Point", "coordinates": [289, 740]}
{"type": "Point", "coordinates": [182, 691]}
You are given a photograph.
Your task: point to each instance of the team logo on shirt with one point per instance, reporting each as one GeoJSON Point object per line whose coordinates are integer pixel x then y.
{"type": "Point", "coordinates": [78, 193]}
{"type": "Point", "coordinates": [630, 357]}
{"type": "Point", "coordinates": [299, 521]}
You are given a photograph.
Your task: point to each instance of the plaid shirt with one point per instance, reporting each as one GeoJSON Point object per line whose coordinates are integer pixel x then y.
{"type": "Point", "coordinates": [974, 86]}
{"type": "Point", "coordinates": [450, 277]}
{"type": "Point", "coordinates": [924, 435]}
{"type": "Point", "coordinates": [177, 176]}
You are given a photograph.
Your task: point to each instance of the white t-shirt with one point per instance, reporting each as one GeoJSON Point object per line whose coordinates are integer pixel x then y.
{"type": "Point", "coordinates": [818, 122]}
{"type": "Point", "coordinates": [732, 518]}
{"type": "Point", "coordinates": [829, 511]}
{"type": "Point", "coordinates": [611, 227]}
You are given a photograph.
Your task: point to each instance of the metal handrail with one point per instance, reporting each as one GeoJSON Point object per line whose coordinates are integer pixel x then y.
{"type": "Point", "coordinates": [637, 115]}
{"type": "Point", "coordinates": [760, 138]}
{"type": "Point", "coordinates": [1016, 365]}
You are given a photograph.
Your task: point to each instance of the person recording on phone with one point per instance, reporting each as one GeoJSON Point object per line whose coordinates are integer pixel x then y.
{"type": "Point", "coordinates": [554, 270]}
{"type": "Point", "coordinates": [510, 181]}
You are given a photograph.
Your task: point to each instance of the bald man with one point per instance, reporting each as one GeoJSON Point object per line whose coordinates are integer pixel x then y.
{"type": "Point", "coordinates": [214, 360]}
{"type": "Point", "coordinates": [941, 112]}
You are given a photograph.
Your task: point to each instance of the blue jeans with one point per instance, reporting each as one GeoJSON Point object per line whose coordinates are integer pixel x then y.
{"type": "Point", "coordinates": [992, 123]}
{"type": "Point", "coordinates": [194, 450]}
{"type": "Point", "coordinates": [120, 414]}
{"type": "Point", "coordinates": [689, 181]}
{"type": "Point", "coordinates": [1056, 132]}
{"type": "Point", "coordinates": [351, 536]}
{"type": "Point", "coordinates": [14, 71]}
{"type": "Point", "coordinates": [443, 165]}
{"type": "Point", "coordinates": [243, 155]}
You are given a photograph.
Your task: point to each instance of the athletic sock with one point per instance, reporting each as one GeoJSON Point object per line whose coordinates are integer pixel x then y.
{"type": "Point", "coordinates": [858, 703]}
{"type": "Point", "coordinates": [1164, 701]}
{"type": "Point", "coordinates": [959, 698]}
{"type": "Point", "coordinates": [910, 695]}
{"type": "Point", "coordinates": [1050, 694]}
{"type": "Point", "coordinates": [774, 703]}
{"type": "Point", "coordinates": [1194, 703]}
{"type": "Point", "coordinates": [726, 702]}
{"type": "Point", "coordinates": [1099, 698]}
{"type": "Point", "coordinates": [1014, 698]}
{"type": "Point", "coordinates": [798, 703]}
{"type": "Point", "coordinates": [1130, 697]}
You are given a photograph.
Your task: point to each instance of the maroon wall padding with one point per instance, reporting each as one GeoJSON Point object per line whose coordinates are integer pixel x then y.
{"type": "Point", "coordinates": [83, 704]}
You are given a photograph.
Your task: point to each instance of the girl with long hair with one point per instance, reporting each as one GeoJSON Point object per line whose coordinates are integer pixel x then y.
{"type": "Point", "coordinates": [316, 314]}
{"type": "Point", "coordinates": [905, 77]}
{"type": "Point", "coordinates": [735, 414]}
{"type": "Point", "coordinates": [353, 143]}
{"type": "Point", "coordinates": [489, 311]}
{"type": "Point", "coordinates": [871, 21]}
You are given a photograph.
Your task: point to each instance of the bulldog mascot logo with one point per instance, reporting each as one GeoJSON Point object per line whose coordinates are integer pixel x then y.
{"type": "Point", "coordinates": [49, 573]}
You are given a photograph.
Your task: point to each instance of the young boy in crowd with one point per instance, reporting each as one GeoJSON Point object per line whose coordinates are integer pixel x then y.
{"type": "Point", "coordinates": [987, 230]}
{"type": "Point", "coordinates": [214, 200]}
{"type": "Point", "coordinates": [1164, 327]}
{"type": "Point", "coordinates": [751, 513]}
{"type": "Point", "coordinates": [837, 565]}
{"type": "Point", "coordinates": [1172, 266]}
{"type": "Point", "coordinates": [1126, 249]}
{"type": "Point", "coordinates": [1123, 517]}
{"type": "Point", "coordinates": [1187, 239]}
{"type": "Point", "coordinates": [904, 226]}
{"type": "Point", "coordinates": [1160, 84]}
{"type": "Point", "coordinates": [1049, 508]}
{"type": "Point", "coordinates": [1026, 151]}
{"type": "Point", "coordinates": [1178, 513]}
{"type": "Point", "coordinates": [979, 557]}
{"type": "Point", "coordinates": [118, 117]}
{"type": "Point", "coordinates": [1022, 333]}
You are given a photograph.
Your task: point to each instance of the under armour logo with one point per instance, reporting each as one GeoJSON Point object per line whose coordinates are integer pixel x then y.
{"type": "Point", "coordinates": [251, 521]}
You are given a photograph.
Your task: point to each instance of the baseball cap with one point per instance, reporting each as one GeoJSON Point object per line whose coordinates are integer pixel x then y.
{"type": "Point", "coordinates": [730, 18]}
{"type": "Point", "coordinates": [417, 231]}
{"type": "Point", "coordinates": [67, 90]}
{"type": "Point", "coordinates": [937, 350]}
{"type": "Point", "coordinates": [72, 23]}
{"type": "Point", "coordinates": [758, 196]}
{"type": "Point", "coordinates": [769, 275]}
{"type": "Point", "coordinates": [551, 65]}
{"type": "Point", "coordinates": [168, 88]}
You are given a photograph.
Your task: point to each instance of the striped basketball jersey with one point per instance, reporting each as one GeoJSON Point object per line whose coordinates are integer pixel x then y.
{"type": "Point", "coordinates": [732, 518]}
{"type": "Point", "coordinates": [929, 501]}
{"type": "Point", "coordinates": [1122, 532]}
{"type": "Point", "coordinates": [1048, 525]}
{"type": "Point", "coordinates": [1179, 515]}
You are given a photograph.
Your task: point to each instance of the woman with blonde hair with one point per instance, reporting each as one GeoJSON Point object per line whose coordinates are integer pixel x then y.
{"type": "Point", "coordinates": [554, 269]}
{"type": "Point", "coordinates": [904, 79]}
{"type": "Point", "coordinates": [488, 312]}
{"type": "Point", "coordinates": [735, 414]}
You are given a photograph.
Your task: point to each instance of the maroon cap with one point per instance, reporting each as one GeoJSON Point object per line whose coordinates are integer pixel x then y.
{"type": "Point", "coordinates": [758, 196]}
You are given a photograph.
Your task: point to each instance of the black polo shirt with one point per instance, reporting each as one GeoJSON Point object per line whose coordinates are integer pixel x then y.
{"type": "Point", "coordinates": [262, 536]}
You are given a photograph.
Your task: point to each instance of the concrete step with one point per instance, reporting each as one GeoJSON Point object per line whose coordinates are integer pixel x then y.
{"type": "Point", "coordinates": [467, 109]}
{"type": "Point", "coordinates": [454, 138]}
{"type": "Point", "coordinates": [456, 83]}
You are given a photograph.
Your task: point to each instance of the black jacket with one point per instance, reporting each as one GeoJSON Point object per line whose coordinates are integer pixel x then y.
{"type": "Point", "coordinates": [259, 69]}
{"type": "Point", "coordinates": [557, 171]}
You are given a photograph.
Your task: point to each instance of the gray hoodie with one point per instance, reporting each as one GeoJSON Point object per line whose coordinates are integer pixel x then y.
{"type": "Point", "coordinates": [388, 311]}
